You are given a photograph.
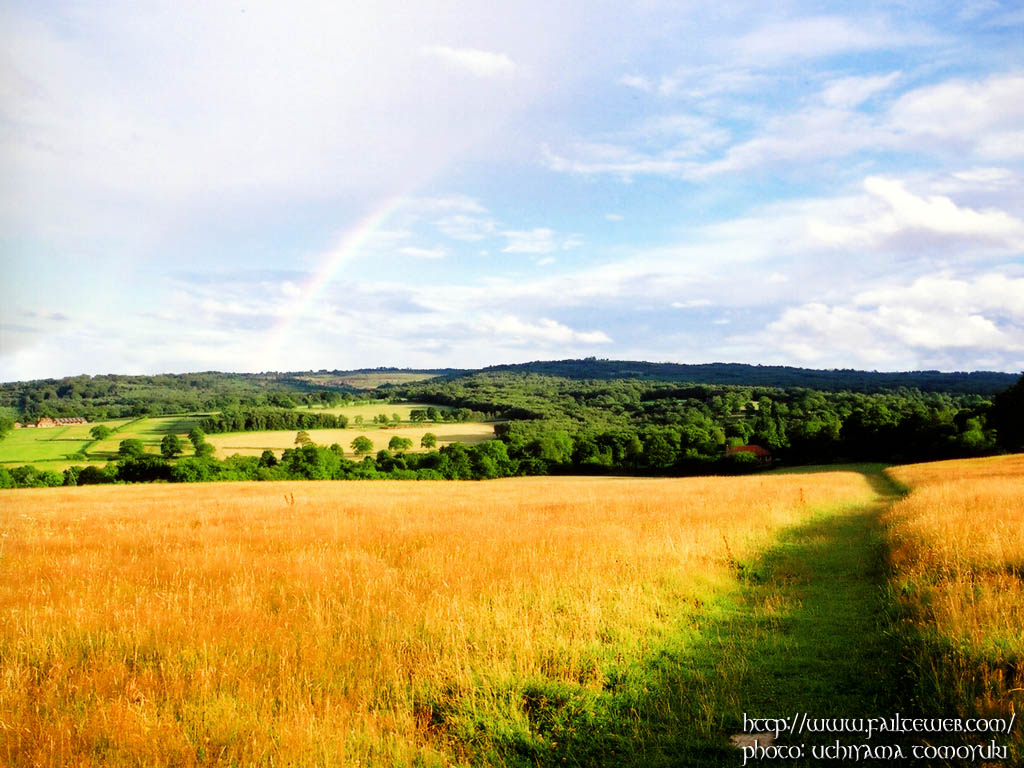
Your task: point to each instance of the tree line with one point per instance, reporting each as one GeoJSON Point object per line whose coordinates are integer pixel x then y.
{"type": "Point", "coordinates": [264, 419]}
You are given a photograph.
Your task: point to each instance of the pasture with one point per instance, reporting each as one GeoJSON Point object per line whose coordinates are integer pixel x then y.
{"type": "Point", "coordinates": [38, 445]}
{"type": "Point", "coordinates": [525, 621]}
{"type": "Point", "coordinates": [150, 430]}
{"type": "Point", "coordinates": [50, 448]}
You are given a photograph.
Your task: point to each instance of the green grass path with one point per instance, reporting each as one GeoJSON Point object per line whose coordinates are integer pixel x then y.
{"type": "Point", "coordinates": [811, 625]}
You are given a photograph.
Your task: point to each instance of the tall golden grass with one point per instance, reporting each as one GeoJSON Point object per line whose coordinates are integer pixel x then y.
{"type": "Point", "coordinates": [958, 552]}
{"type": "Point", "coordinates": [327, 623]}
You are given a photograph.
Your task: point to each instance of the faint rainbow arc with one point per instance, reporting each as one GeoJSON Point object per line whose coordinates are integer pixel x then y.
{"type": "Point", "coordinates": [313, 287]}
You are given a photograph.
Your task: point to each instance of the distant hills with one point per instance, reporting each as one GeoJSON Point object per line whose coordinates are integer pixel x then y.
{"type": "Point", "coordinates": [969, 382]}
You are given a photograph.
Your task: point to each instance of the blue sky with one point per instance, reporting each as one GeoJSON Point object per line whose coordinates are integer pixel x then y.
{"type": "Point", "coordinates": [254, 186]}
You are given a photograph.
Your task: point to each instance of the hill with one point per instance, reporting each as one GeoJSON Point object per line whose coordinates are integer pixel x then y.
{"type": "Point", "coordinates": [743, 374]}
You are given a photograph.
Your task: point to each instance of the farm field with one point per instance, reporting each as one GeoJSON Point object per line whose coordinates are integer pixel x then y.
{"type": "Point", "coordinates": [522, 621]}
{"type": "Point", "coordinates": [369, 410]}
{"type": "Point", "coordinates": [254, 443]}
{"type": "Point", "coordinates": [150, 430]}
{"type": "Point", "coordinates": [44, 444]}
{"type": "Point", "coordinates": [49, 448]}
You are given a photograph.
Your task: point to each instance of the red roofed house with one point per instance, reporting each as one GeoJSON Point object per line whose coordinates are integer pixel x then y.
{"type": "Point", "coordinates": [764, 456]}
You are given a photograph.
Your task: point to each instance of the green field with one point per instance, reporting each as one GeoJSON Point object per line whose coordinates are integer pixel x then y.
{"type": "Point", "coordinates": [50, 448]}
{"type": "Point", "coordinates": [150, 430]}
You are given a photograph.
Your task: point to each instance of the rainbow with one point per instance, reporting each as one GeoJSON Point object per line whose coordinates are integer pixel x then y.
{"type": "Point", "coordinates": [310, 290]}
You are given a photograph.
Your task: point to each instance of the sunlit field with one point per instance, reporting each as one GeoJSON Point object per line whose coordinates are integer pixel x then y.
{"type": "Point", "coordinates": [386, 623]}
{"type": "Point", "coordinates": [958, 552]}
{"type": "Point", "coordinates": [254, 443]}
{"type": "Point", "coordinates": [376, 408]}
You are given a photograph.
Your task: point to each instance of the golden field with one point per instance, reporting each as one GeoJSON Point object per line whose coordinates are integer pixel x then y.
{"type": "Point", "coordinates": [254, 443]}
{"type": "Point", "coordinates": [958, 553]}
{"type": "Point", "coordinates": [336, 623]}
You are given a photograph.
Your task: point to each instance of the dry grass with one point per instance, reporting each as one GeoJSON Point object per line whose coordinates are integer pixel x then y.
{"type": "Point", "coordinates": [337, 623]}
{"type": "Point", "coordinates": [958, 551]}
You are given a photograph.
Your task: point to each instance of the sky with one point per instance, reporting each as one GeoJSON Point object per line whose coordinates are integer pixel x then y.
{"type": "Point", "coordinates": [266, 186]}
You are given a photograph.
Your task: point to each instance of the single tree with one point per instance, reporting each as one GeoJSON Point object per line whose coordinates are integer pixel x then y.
{"type": "Point", "coordinates": [130, 448]}
{"type": "Point", "coordinates": [362, 445]}
{"type": "Point", "coordinates": [170, 446]}
{"type": "Point", "coordinates": [196, 436]}
{"type": "Point", "coordinates": [429, 440]}
{"type": "Point", "coordinates": [302, 438]}
{"type": "Point", "coordinates": [100, 432]}
{"type": "Point", "coordinates": [397, 443]}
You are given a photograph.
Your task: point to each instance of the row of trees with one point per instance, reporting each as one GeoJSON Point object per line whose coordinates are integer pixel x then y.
{"type": "Point", "coordinates": [261, 419]}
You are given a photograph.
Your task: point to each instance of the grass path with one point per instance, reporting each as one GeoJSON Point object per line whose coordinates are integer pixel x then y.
{"type": "Point", "coordinates": [811, 624]}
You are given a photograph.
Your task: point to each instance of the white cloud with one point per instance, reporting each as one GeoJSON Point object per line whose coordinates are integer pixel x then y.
{"type": "Point", "coordinates": [447, 204]}
{"type": "Point", "coordinates": [638, 82]}
{"type": "Point", "coordinates": [538, 240]}
{"type": "Point", "coordinates": [935, 319]}
{"type": "Point", "coordinates": [513, 330]}
{"type": "Point", "coordinates": [423, 253]}
{"type": "Point", "coordinates": [692, 304]}
{"type": "Point", "coordinates": [996, 294]}
{"type": "Point", "coordinates": [813, 37]}
{"type": "Point", "coordinates": [468, 228]}
{"type": "Point", "coordinates": [975, 118]}
{"type": "Point", "coordinates": [851, 92]}
{"type": "Point", "coordinates": [937, 213]}
{"type": "Point", "coordinates": [982, 116]}
{"type": "Point", "coordinates": [473, 60]}
{"type": "Point", "coordinates": [614, 216]}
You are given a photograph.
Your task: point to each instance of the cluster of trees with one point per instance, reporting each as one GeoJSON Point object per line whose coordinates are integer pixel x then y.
{"type": "Point", "coordinates": [262, 419]}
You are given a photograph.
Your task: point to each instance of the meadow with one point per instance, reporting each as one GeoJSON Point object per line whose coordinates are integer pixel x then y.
{"type": "Point", "coordinates": [957, 543]}
{"type": "Point", "coordinates": [528, 621]}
